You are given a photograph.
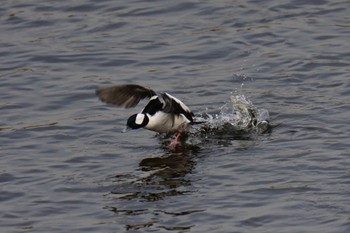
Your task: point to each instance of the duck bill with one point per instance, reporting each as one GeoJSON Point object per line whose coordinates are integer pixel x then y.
{"type": "Point", "coordinates": [126, 129]}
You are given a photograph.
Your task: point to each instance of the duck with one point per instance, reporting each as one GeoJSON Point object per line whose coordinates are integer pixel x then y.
{"type": "Point", "coordinates": [163, 113]}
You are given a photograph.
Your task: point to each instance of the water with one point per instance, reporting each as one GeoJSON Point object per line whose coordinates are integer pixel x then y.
{"type": "Point", "coordinates": [65, 166]}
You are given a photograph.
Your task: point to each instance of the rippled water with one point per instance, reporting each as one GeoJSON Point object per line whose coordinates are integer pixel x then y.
{"type": "Point", "coordinates": [65, 166]}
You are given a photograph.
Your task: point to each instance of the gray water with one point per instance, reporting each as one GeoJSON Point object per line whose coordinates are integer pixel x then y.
{"type": "Point", "coordinates": [65, 166]}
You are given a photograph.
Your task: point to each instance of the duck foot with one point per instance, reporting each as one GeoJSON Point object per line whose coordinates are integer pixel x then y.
{"type": "Point", "coordinates": [175, 141]}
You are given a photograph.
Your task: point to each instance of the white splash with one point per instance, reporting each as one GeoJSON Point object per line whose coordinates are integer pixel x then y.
{"type": "Point", "coordinates": [239, 114]}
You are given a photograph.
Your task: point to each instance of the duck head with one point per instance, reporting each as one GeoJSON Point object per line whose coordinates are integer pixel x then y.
{"type": "Point", "coordinates": [136, 121]}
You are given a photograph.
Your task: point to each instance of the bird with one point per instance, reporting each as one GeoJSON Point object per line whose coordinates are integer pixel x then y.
{"type": "Point", "coordinates": [163, 115]}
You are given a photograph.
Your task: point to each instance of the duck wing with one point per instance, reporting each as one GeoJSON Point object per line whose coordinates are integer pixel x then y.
{"type": "Point", "coordinates": [176, 106]}
{"type": "Point", "coordinates": [126, 96]}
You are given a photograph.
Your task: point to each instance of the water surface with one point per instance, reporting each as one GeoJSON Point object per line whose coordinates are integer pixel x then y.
{"type": "Point", "coordinates": [65, 166]}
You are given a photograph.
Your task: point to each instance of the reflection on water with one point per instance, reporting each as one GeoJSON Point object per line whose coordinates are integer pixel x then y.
{"type": "Point", "coordinates": [167, 175]}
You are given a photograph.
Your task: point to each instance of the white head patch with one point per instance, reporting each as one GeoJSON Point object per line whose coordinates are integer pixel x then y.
{"type": "Point", "coordinates": [139, 118]}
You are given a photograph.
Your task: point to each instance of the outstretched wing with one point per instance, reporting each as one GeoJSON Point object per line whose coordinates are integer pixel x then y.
{"type": "Point", "coordinates": [126, 96]}
{"type": "Point", "coordinates": [176, 106]}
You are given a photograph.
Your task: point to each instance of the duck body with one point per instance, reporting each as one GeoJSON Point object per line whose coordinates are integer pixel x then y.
{"type": "Point", "coordinates": [163, 123]}
{"type": "Point", "coordinates": [167, 116]}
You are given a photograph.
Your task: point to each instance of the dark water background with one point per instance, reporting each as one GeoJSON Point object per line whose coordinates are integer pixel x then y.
{"type": "Point", "coordinates": [65, 166]}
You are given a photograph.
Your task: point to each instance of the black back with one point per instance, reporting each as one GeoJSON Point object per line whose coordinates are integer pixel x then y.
{"type": "Point", "coordinates": [153, 106]}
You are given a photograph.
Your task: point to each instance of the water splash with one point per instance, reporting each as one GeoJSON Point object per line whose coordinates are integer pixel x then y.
{"type": "Point", "coordinates": [237, 117]}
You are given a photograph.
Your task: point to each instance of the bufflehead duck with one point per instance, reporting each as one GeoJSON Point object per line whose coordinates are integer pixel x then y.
{"type": "Point", "coordinates": [171, 115]}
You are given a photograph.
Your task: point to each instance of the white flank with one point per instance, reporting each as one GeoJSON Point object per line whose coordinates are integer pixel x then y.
{"type": "Point", "coordinates": [163, 122]}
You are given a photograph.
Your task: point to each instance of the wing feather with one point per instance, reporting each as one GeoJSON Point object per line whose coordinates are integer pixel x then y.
{"type": "Point", "coordinates": [176, 106]}
{"type": "Point", "coordinates": [126, 96]}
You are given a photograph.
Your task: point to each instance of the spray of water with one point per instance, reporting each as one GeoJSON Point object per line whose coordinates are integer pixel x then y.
{"type": "Point", "coordinates": [236, 118]}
